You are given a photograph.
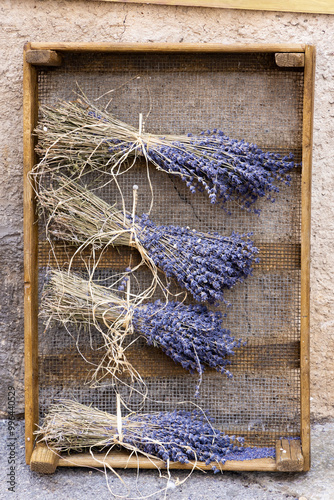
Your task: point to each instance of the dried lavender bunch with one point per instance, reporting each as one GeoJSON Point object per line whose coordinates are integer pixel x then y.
{"type": "Point", "coordinates": [204, 263]}
{"type": "Point", "coordinates": [181, 436]}
{"type": "Point", "coordinates": [178, 436]}
{"type": "Point", "coordinates": [227, 169]}
{"type": "Point", "coordinates": [190, 334]}
{"type": "Point", "coordinates": [78, 133]}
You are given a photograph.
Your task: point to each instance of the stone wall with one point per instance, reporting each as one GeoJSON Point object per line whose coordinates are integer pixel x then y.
{"type": "Point", "coordinates": [90, 21]}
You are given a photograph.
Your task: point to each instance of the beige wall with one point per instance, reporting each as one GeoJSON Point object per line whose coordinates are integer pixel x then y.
{"type": "Point", "coordinates": [29, 20]}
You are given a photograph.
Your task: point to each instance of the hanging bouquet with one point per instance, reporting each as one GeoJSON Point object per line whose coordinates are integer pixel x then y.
{"type": "Point", "coordinates": [204, 263]}
{"type": "Point", "coordinates": [79, 134]}
{"type": "Point", "coordinates": [177, 436]}
{"type": "Point", "coordinates": [190, 334]}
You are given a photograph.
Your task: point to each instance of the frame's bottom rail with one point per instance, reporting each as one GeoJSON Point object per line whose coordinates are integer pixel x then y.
{"type": "Point", "coordinates": [124, 461]}
{"type": "Point", "coordinates": [44, 460]}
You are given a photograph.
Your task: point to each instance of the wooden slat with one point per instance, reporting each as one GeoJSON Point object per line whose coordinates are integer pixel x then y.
{"type": "Point", "coordinates": [70, 366]}
{"type": "Point", "coordinates": [201, 62]}
{"type": "Point", "coordinates": [296, 454]}
{"type": "Point", "coordinates": [310, 6]}
{"type": "Point", "coordinates": [43, 58]}
{"type": "Point", "coordinates": [282, 454]}
{"type": "Point", "coordinates": [273, 256]}
{"type": "Point", "coordinates": [121, 459]}
{"type": "Point", "coordinates": [289, 456]}
{"type": "Point", "coordinates": [30, 255]}
{"type": "Point", "coordinates": [290, 60]}
{"type": "Point", "coordinates": [165, 47]}
{"type": "Point", "coordinates": [43, 460]}
{"type": "Point", "coordinates": [308, 106]}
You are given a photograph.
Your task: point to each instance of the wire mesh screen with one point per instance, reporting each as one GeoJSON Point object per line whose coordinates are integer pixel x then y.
{"type": "Point", "coordinates": [248, 97]}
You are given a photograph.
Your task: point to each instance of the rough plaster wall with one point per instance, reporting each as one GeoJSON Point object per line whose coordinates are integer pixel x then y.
{"type": "Point", "coordinates": [83, 21]}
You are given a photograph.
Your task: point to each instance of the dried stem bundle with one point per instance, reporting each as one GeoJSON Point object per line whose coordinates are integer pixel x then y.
{"type": "Point", "coordinates": [69, 299]}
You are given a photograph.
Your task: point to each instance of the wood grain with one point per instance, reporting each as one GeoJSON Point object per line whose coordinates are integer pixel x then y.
{"type": "Point", "coordinates": [165, 47]}
{"type": "Point", "coordinates": [289, 456]}
{"type": "Point", "coordinates": [312, 6]}
{"type": "Point", "coordinates": [43, 58]}
{"type": "Point", "coordinates": [43, 460]}
{"type": "Point", "coordinates": [290, 60]}
{"type": "Point", "coordinates": [121, 459]}
{"type": "Point", "coordinates": [30, 230]}
{"type": "Point", "coordinates": [308, 106]}
{"type": "Point", "coordinates": [296, 454]}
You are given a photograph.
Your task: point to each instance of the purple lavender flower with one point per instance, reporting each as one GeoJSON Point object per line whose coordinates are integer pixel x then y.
{"type": "Point", "coordinates": [182, 436]}
{"type": "Point", "coordinates": [204, 263]}
{"type": "Point", "coordinates": [191, 335]}
{"type": "Point", "coordinates": [225, 168]}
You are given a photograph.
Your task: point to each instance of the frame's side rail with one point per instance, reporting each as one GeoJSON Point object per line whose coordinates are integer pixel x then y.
{"type": "Point", "coordinates": [30, 230]}
{"type": "Point", "coordinates": [308, 105]}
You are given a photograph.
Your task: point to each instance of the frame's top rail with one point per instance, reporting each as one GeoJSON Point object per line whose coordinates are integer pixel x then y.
{"type": "Point", "coordinates": [165, 47]}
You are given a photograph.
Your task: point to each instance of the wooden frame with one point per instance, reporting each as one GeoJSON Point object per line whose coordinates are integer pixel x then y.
{"type": "Point", "coordinates": [307, 6]}
{"type": "Point", "coordinates": [288, 457]}
{"type": "Point", "coordinates": [30, 255]}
